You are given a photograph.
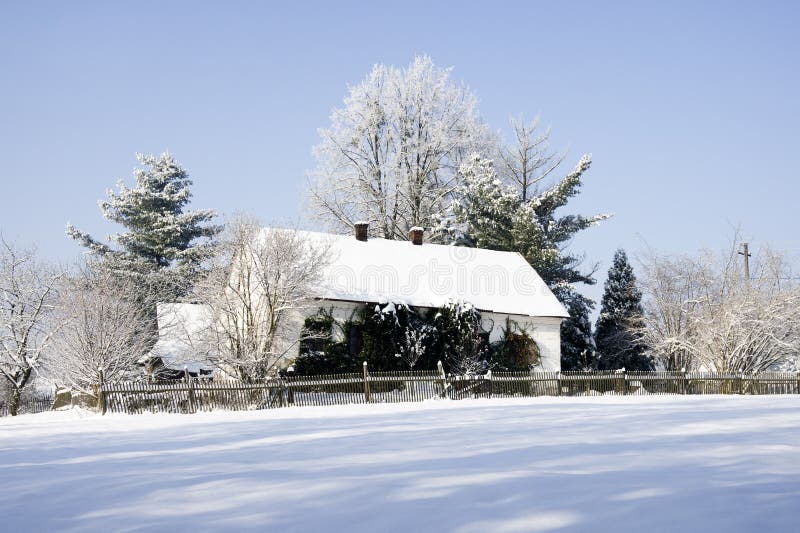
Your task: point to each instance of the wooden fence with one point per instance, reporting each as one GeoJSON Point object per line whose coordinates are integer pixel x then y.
{"type": "Point", "coordinates": [193, 395]}
{"type": "Point", "coordinates": [30, 404]}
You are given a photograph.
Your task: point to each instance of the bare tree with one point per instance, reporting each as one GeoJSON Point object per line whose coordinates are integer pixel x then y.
{"type": "Point", "coordinates": [27, 298]}
{"type": "Point", "coordinates": [102, 329]}
{"type": "Point", "coordinates": [671, 292]}
{"type": "Point", "coordinates": [703, 313]}
{"type": "Point", "coordinates": [390, 154]}
{"type": "Point", "coordinates": [258, 288]}
{"type": "Point", "coordinates": [528, 160]}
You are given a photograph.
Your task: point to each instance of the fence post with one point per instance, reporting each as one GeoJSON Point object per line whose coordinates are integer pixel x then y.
{"type": "Point", "coordinates": [798, 383]}
{"type": "Point", "coordinates": [190, 389]}
{"type": "Point", "coordinates": [684, 383]}
{"type": "Point", "coordinates": [101, 395]}
{"type": "Point", "coordinates": [366, 383]}
{"type": "Point", "coordinates": [622, 381]}
{"type": "Point", "coordinates": [289, 391]}
{"type": "Point", "coordinates": [558, 383]}
{"type": "Point", "coordinates": [489, 379]}
{"type": "Point", "coordinates": [443, 377]}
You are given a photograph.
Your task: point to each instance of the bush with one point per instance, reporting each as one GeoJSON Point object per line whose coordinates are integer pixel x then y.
{"type": "Point", "coordinates": [516, 351]}
{"type": "Point", "coordinates": [394, 337]}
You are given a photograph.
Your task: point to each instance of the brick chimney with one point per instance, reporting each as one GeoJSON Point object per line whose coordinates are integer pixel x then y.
{"type": "Point", "coordinates": [415, 235]}
{"type": "Point", "coordinates": [361, 230]}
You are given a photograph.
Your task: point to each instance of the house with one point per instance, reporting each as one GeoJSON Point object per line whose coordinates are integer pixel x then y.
{"type": "Point", "coordinates": [365, 271]}
{"type": "Point", "coordinates": [501, 285]}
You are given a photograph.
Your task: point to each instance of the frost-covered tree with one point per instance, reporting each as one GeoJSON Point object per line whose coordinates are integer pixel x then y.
{"type": "Point", "coordinates": [101, 329]}
{"type": "Point", "coordinates": [616, 342]}
{"type": "Point", "coordinates": [521, 217]}
{"type": "Point", "coordinates": [390, 154]}
{"type": "Point", "coordinates": [258, 288]}
{"type": "Point", "coordinates": [702, 313]}
{"type": "Point", "coordinates": [162, 239]}
{"type": "Point", "coordinates": [28, 291]}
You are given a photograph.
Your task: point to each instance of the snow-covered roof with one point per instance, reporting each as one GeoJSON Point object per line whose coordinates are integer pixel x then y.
{"type": "Point", "coordinates": [178, 324]}
{"type": "Point", "coordinates": [430, 275]}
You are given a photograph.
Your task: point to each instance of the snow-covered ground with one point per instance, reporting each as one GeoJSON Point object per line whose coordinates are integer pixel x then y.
{"type": "Point", "coordinates": [541, 464]}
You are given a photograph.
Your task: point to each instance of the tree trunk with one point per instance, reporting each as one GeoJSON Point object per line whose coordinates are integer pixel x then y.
{"type": "Point", "coordinates": [13, 404]}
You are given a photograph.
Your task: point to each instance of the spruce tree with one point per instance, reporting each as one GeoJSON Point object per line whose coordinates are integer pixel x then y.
{"type": "Point", "coordinates": [577, 348]}
{"type": "Point", "coordinates": [620, 314]}
{"type": "Point", "coordinates": [490, 214]}
{"type": "Point", "coordinates": [164, 243]}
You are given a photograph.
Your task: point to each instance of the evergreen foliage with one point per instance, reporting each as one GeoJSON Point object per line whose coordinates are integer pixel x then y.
{"type": "Point", "coordinates": [394, 337]}
{"type": "Point", "coordinates": [462, 344]}
{"type": "Point", "coordinates": [383, 331]}
{"type": "Point", "coordinates": [489, 214]}
{"type": "Point", "coordinates": [620, 314]}
{"type": "Point", "coordinates": [577, 348]}
{"type": "Point", "coordinates": [320, 353]}
{"type": "Point", "coordinates": [164, 243]}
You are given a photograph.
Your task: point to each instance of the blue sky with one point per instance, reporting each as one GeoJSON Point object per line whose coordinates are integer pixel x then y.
{"type": "Point", "coordinates": [690, 109]}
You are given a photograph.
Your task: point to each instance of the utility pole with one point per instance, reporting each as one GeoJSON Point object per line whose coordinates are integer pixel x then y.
{"type": "Point", "coordinates": [746, 253]}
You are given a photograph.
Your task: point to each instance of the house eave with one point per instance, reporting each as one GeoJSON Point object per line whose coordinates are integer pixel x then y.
{"type": "Point", "coordinates": [499, 312]}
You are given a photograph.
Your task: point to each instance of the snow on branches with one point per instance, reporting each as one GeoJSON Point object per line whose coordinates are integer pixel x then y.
{"type": "Point", "coordinates": [390, 154]}
{"type": "Point", "coordinates": [257, 288]}
{"type": "Point", "coordinates": [102, 329]}
{"type": "Point", "coordinates": [701, 312]}
{"type": "Point", "coordinates": [28, 292]}
{"type": "Point", "coordinates": [161, 234]}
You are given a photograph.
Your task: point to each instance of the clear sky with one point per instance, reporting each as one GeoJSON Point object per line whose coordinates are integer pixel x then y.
{"type": "Point", "coordinates": [690, 110]}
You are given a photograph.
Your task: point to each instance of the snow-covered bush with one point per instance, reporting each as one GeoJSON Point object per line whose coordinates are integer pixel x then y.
{"type": "Point", "coordinates": [703, 313]}
{"type": "Point", "coordinates": [396, 337]}
{"type": "Point", "coordinates": [101, 329]}
{"type": "Point", "coordinates": [463, 345]}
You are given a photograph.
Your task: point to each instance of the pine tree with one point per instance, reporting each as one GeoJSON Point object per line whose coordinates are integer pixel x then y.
{"type": "Point", "coordinates": [620, 311]}
{"type": "Point", "coordinates": [490, 214]}
{"type": "Point", "coordinates": [164, 243]}
{"type": "Point", "coordinates": [577, 348]}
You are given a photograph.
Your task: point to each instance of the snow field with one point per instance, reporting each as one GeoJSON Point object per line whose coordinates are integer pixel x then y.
{"type": "Point", "coordinates": [653, 463]}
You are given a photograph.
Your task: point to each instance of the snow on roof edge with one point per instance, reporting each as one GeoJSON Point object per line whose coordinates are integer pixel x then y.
{"type": "Point", "coordinates": [431, 275]}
